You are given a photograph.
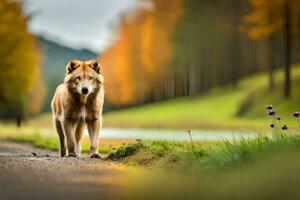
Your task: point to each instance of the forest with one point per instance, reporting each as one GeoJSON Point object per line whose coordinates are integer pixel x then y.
{"type": "Point", "coordinates": [187, 47]}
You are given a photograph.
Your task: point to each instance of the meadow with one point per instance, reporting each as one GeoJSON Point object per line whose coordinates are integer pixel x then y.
{"type": "Point", "coordinates": [222, 108]}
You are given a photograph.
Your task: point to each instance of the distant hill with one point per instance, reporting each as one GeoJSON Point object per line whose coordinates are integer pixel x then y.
{"type": "Point", "coordinates": [55, 58]}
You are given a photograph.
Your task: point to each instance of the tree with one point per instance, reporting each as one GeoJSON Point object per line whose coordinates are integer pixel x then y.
{"type": "Point", "coordinates": [19, 60]}
{"type": "Point", "coordinates": [137, 62]}
{"type": "Point", "coordinates": [270, 17]}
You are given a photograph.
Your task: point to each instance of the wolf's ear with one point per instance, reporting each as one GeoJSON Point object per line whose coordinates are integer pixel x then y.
{"type": "Point", "coordinates": [96, 66]}
{"type": "Point", "coordinates": [72, 65]}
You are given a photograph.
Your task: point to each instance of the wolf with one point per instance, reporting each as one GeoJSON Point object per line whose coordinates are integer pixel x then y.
{"type": "Point", "coordinates": [78, 103]}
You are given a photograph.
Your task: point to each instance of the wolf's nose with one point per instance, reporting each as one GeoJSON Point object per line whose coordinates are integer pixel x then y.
{"type": "Point", "coordinates": [84, 90]}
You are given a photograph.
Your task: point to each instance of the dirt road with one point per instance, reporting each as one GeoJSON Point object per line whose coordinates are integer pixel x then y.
{"type": "Point", "coordinates": [30, 173]}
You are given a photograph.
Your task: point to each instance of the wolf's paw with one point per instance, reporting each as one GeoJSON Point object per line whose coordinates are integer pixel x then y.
{"type": "Point", "coordinates": [72, 155]}
{"type": "Point", "coordinates": [95, 155]}
{"type": "Point", "coordinates": [62, 154]}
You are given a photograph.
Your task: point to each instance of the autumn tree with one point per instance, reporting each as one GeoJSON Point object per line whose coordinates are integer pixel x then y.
{"type": "Point", "coordinates": [136, 64]}
{"type": "Point", "coordinates": [116, 62]}
{"type": "Point", "coordinates": [269, 18]}
{"type": "Point", "coordinates": [19, 61]}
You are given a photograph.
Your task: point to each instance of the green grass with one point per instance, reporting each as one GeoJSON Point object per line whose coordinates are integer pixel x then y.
{"type": "Point", "coordinates": [232, 153]}
{"type": "Point", "coordinates": [125, 150]}
{"type": "Point", "coordinates": [52, 143]}
{"type": "Point", "coordinates": [36, 140]}
{"type": "Point", "coordinates": [34, 137]}
{"type": "Point", "coordinates": [114, 152]}
{"type": "Point", "coordinates": [223, 154]}
{"type": "Point", "coordinates": [216, 109]}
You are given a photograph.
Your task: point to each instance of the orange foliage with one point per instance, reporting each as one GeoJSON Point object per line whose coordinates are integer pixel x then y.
{"type": "Point", "coordinates": [267, 17]}
{"type": "Point", "coordinates": [136, 64]}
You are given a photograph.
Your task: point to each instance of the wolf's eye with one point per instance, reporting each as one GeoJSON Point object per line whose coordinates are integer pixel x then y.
{"type": "Point", "coordinates": [91, 78]}
{"type": "Point", "coordinates": [77, 78]}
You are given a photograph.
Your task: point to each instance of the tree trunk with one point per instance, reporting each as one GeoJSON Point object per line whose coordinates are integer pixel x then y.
{"type": "Point", "coordinates": [272, 62]}
{"type": "Point", "coordinates": [170, 84]}
{"type": "Point", "coordinates": [235, 45]}
{"type": "Point", "coordinates": [18, 120]}
{"type": "Point", "coordinates": [287, 50]}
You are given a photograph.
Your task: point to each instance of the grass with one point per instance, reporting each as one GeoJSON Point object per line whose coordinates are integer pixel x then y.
{"type": "Point", "coordinates": [36, 140]}
{"type": "Point", "coordinates": [223, 154]}
{"type": "Point", "coordinates": [125, 150]}
{"type": "Point", "coordinates": [228, 154]}
{"type": "Point", "coordinates": [38, 137]}
{"type": "Point", "coordinates": [237, 108]}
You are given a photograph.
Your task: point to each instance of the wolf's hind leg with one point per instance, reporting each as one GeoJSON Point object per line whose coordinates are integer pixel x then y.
{"type": "Point", "coordinates": [62, 139]}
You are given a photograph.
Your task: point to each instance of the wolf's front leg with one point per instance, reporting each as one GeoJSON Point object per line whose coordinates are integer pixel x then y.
{"type": "Point", "coordinates": [69, 129]}
{"type": "Point", "coordinates": [94, 127]}
{"type": "Point", "coordinates": [62, 138]}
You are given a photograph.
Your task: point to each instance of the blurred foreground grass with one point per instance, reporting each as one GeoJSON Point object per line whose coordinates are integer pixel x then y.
{"type": "Point", "coordinates": [270, 177]}
{"type": "Point", "coordinates": [222, 108]}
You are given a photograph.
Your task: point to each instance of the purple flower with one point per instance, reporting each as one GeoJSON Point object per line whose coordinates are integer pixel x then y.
{"type": "Point", "coordinates": [269, 107]}
{"type": "Point", "coordinates": [272, 112]}
{"type": "Point", "coordinates": [278, 118]}
{"type": "Point", "coordinates": [296, 114]}
{"type": "Point", "coordinates": [284, 127]}
{"type": "Point", "coordinates": [272, 125]}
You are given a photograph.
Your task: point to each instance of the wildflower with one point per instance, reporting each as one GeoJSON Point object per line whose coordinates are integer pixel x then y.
{"type": "Point", "coordinates": [272, 112]}
{"type": "Point", "coordinates": [284, 127]}
{"type": "Point", "coordinates": [272, 125]}
{"type": "Point", "coordinates": [269, 107]}
{"type": "Point", "coordinates": [296, 114]}
{"type": "Point", "coordinates": [278, 118]}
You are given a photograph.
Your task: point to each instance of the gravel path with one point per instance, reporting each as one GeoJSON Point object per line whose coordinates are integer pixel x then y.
{"type": "Point", "coordinates": [31, 173]}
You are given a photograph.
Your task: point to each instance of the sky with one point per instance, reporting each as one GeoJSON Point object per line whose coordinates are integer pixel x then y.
{"type": "Point", "coordinates": [77, 23]}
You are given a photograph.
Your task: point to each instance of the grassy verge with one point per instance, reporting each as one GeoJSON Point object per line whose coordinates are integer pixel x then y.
{"type": "Point", "coordinates": [222, 154]}
{"type": "Point", "coordinates": [38, 137]}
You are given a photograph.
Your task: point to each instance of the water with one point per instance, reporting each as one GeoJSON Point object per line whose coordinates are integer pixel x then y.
{"type": "Point", "coordinates": [173, 135]}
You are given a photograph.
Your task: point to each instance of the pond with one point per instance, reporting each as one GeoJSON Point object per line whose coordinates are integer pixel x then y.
{"type": "Point", "coordinates": [176, 135]}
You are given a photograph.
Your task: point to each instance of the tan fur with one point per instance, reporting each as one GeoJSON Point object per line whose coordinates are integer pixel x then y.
{"type": "Point", "coordinates": [73, 109]}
